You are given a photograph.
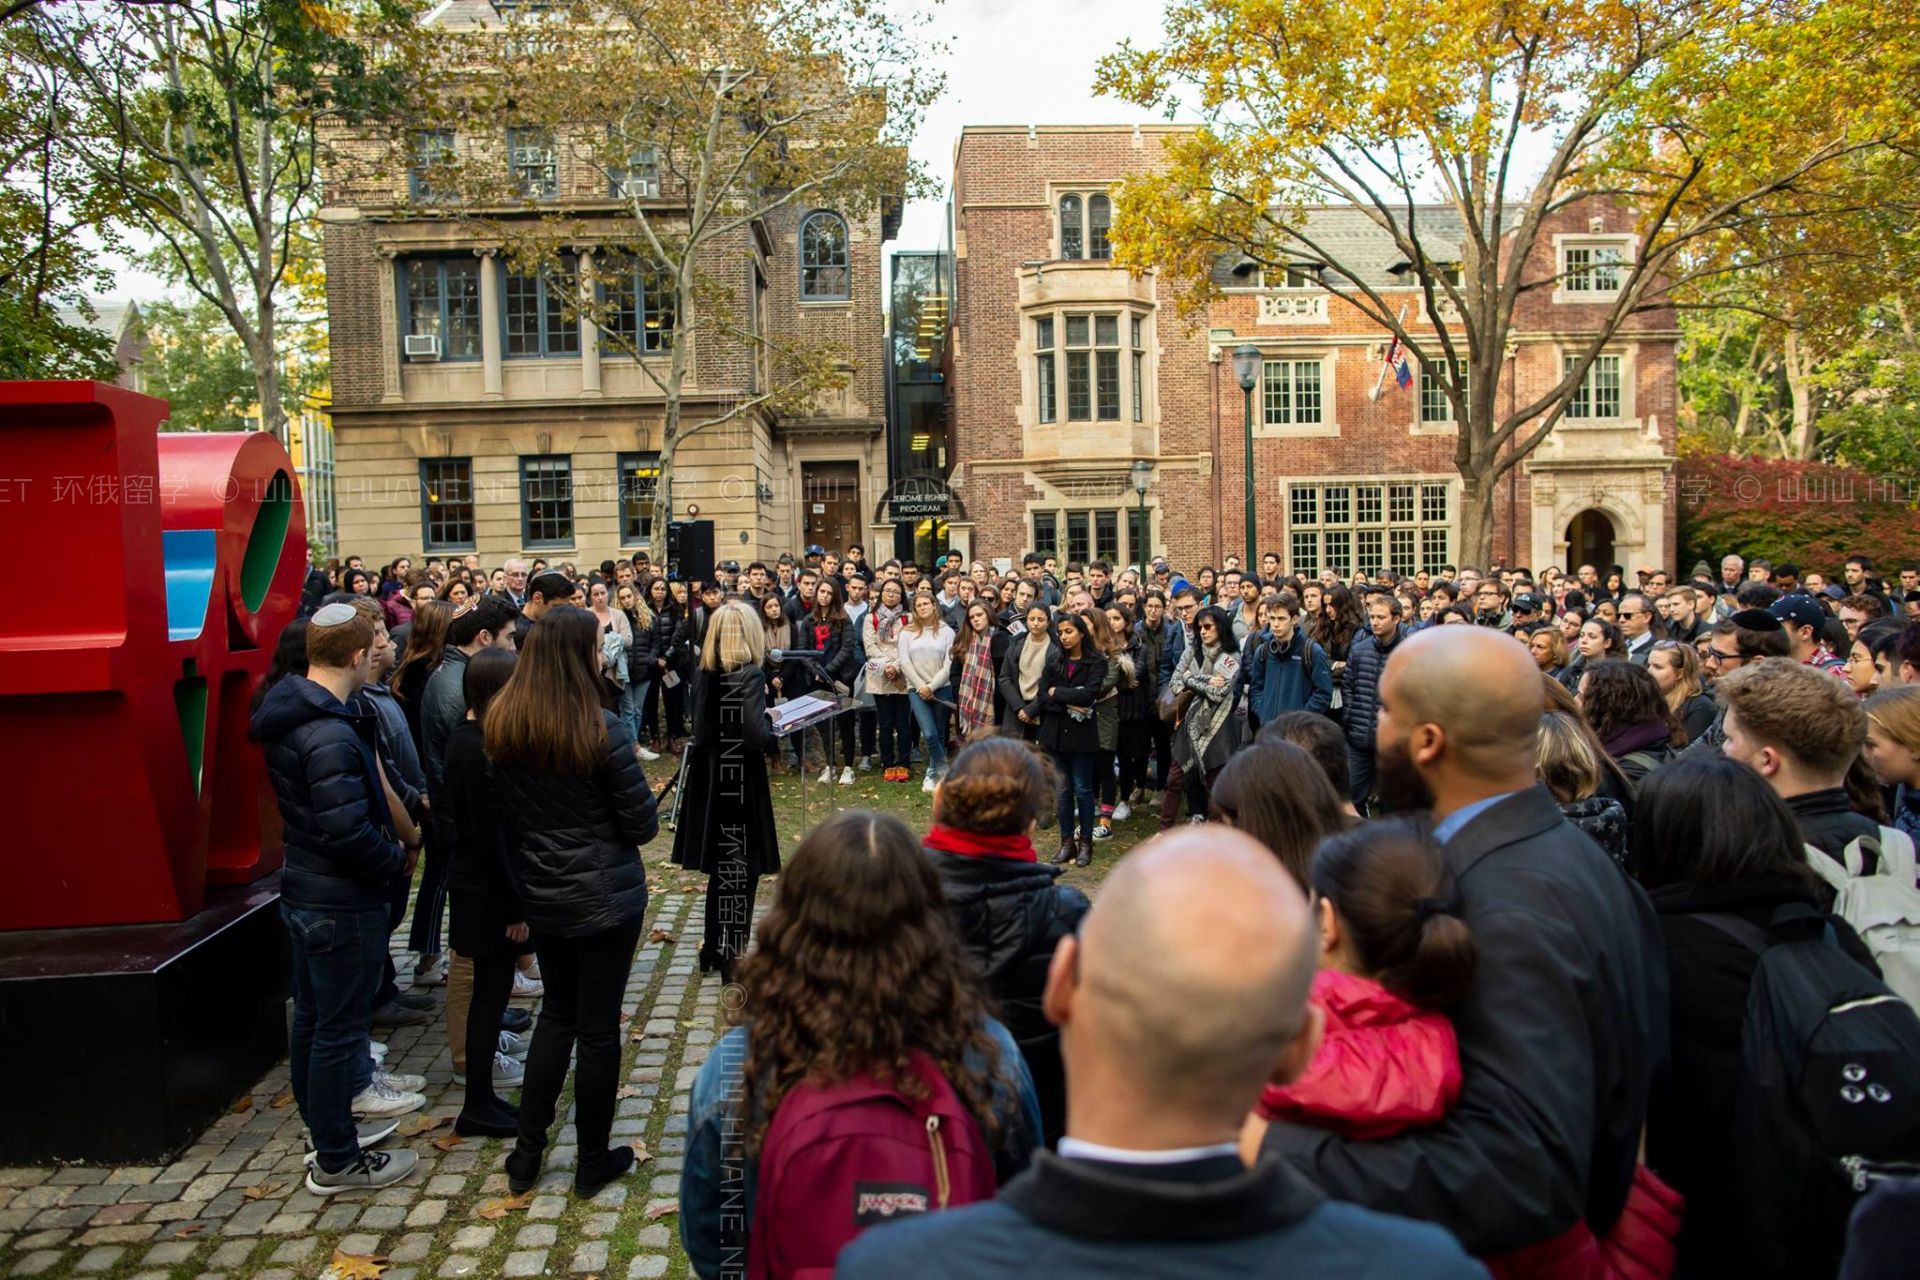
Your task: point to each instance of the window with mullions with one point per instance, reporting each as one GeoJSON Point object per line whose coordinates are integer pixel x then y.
{"type": "Point", "coordinates": [446, 503]}
{"type": "Point", "coordinates": [1086, 222]}
{"type": "Point", "coordinates": [533, 164]}
{"type": "Point", "coordinates": [1366, 504]}
{"type": "Point", "coordinates": [1592, 268]}
{"type": "Point", "coordinates": [638, 306]}
{"type": "Point", "coordinates": [542, 314]}
{"type": "Point", "coordinates": [1598, 395]}
{"type": "Point", "coordinates": [1079, 369]}
{"type": "Point", "coordinates": [1106, 368]}
{"type": "Point", "coordinates": [1139, 373]}
{"type": "Point", "coordinates": [1290, 392]}
{"type": "Point", "coordinates": [1099, 221]}
{"type": "Point", "coordinates": [1368, 526]}
{"type": "Point", "coordinates": [1434, 405]}
{"type": "Point", "coordinates": [1072, 245]}
{"type": "Point", "coordinates": [1079, 536]}
{"type": "Point", "coordinates": [639, 177]}
{"type": "Point", "coordinates": [1045, 390]}
{"type": "Point", "coordinates": [1400, 551]}
{"type": "Point", "coordinates": [1305, 549]}
{"type": "Point", "coordinates": [431, 150]}
{"type": "Point", "coordinates": [440, 298]}
{"type": "Point", "coordinates": [1046, 533]}
{"type": "Point", "coordinates": [546, 501]}
{"type": "Point", "coordinates": [824, 272]}
{"type": "Point", "coordinates": [1106, 535]}
{"type": "Point", "coordinates": [639, 478]}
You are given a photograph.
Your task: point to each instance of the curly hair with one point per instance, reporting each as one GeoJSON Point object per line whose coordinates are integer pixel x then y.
{"type": "Point", "coordinates": [1336, 632]}
{"type": "Point", "coordinates": [995, 786]}
{"type": "Point", "coordinates": [1617, 695]}
{"type": "Point", "coordinates": [857, 966]}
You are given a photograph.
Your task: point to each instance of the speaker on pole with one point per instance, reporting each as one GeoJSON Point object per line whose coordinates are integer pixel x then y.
{"type": "Point", "coordinates": [690, 550]}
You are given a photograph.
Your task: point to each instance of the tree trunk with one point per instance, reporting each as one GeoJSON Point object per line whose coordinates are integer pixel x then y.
{"type": "Point", "coordinates": [1798, 362]}
{"type": "Point", "coordinates": [1476, 522]}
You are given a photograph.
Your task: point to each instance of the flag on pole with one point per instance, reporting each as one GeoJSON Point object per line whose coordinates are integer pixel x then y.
{"type": "Point", "coordinates": [1395, 360]}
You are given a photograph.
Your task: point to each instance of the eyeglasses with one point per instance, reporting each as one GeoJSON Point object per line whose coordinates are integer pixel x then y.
{"type": "Point", "coordinates": [1632, 613]}
{"type": "Point", "coordinates": [1715, 656]}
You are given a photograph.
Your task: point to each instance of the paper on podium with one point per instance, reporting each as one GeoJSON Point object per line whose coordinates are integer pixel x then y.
{"type": "Point", "coordinates": [792, 712]}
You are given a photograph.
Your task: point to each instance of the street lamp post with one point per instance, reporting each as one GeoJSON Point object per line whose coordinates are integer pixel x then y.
{"type": "Point", "coordinates": [1142, 475]}
{"type": "Point", "coordinates": [1246, 367]}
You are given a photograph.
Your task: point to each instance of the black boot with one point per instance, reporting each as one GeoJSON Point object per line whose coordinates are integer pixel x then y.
{"type": "Point", "coordinates": [1065, 855]}
{"type": "Point", "coordinates": [1085, 856]}
{"type": "Point", "coordinates": [598, 1173]}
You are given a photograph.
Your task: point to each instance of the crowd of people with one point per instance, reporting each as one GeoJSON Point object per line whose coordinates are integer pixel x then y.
{"type": "Point", "coordinates": [1548, 925]}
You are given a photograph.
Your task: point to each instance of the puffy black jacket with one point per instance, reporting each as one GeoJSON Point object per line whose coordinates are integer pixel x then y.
{"type": "Point", "coordinates": [1061, 729]}
{"type": "Point", "coordinates": [575, 836]}
{"type": "Point", "coordinates": [1360, 686]}
{"type": "Point", "coordinates": [1010, 916]}
{"type": "Point", "coordinates": [340, 845]}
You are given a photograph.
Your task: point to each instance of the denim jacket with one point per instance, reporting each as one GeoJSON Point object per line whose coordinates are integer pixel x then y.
{"type": "Point", "coordinates": [716, 1195]}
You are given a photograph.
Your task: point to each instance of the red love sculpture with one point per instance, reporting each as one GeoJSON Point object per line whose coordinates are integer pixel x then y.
{"type": "Point", "coordinates": [152, 575]}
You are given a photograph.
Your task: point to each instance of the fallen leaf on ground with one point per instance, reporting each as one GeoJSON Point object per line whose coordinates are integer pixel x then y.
{"type": "Point", "coordinates": [659, 935]}
{"type": "Point", "coordinates": [503, 1206]}
{"type": "Point", "coordinates": [356, 1266]}
{"type": "Point", "coordinates": [640, 1153]}
{"type": "Point", "coordinates": [245, 1104]}
{"type": "Point", "coordinates": [629, 1091]}
{"type": "Point", "coordinates": [449, 1142]}
{"type": "Point", "coordinates": [282, 1100]}
{"type": "Point", "coordinates": [663, 1210]}
{"type": "Point", "coordinates": [191, 1229]}
{"type": "Point", "coordinates": [414, 1126]}
{"type": "Point", "coordinates": [690, 1023]}
{"type": "Point", "coordinates": [261, 1190]}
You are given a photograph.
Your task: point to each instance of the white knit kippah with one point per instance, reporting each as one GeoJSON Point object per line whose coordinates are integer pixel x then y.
{"type": "Point", "coordinates": [333, 615]}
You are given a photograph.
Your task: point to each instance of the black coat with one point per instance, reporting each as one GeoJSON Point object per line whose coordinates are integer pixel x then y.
{"type": "Point", "coordinates": [1010, 916]}
{"type": "Point", "coordinates": [1360, 687]}
{"type": "Point", "coordinates": [484, 894]}
{"type": "Point", "coordinates": [341, 851]}
{"type": "Point", "coordinates": [1060, 729]}
{"type": "Point", "coordinates": [1561, 1036]}
{"type": "Point", "coordinates": [1709, 971]}
{"type": "Point", "coordinates": [726, 806]}
{"type": "Point", "coordinates": [1011, 703]}
{"type": "Point", "coordinates": [575, 836]}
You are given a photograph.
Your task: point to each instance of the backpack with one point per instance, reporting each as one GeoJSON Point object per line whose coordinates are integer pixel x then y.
{"type": "Point", "coordinates": [1883, 907]}
{"type": "Point", "coordinates": [1827, 1100]}
{"type": "Point", "coordinates": [840, 1158]}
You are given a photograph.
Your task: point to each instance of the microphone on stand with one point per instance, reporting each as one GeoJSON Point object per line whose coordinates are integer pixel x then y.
{"type": "Point", "coordinates": [812, 658]}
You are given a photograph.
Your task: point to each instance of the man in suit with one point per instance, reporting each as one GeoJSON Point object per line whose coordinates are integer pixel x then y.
{"type": "Point", "coordinates": [1184, 992]}
{"type": "Point", "coordinates": [1565, 1026]}
{"type": "Point", "coordinates": [1636, 626]}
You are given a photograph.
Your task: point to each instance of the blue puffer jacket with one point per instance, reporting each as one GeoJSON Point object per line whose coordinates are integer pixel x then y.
{"type": "Point", "coordinates": [1360, 686]}
{"type": "Point", "coordinates": [340, 846]}
{"type": "Point", "coordinates": [1296, 677]}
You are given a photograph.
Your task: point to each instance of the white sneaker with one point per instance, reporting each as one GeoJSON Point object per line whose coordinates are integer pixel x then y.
{"type": "Point", "coordinates": [929, 783]}
{"type": "Point", "coordinates": [846, 777]}
{"type": "Point", "coordinates": [508, 1073]}
{"type": "Point", "coordinates": [378, 1100]}
{"type": "Point", "coordinates": [515, 1045]}
{"type": "Point", "coordinates": [432, 974]}
{"type": "Point", "coordinates": [525, 988]}
{"type": "Point", "coordinates": [649, 755]}
{"type": "Point", "coordinates": [400, 1082]}
{"type": "Point", "coordinates": [826, 774]}
{"type": "Point", "coordinates": [373, 1169]}
{"type": "Point", "coordinates": [378, 1049]}
{"type": "Point", "coordinates": [866, 764]}
{"type": "Point", "coordinates": [1122, 811]}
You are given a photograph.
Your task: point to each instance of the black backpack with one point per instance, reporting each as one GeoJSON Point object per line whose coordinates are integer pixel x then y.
{"type": "Point", "coordinates": [1827, 1100]}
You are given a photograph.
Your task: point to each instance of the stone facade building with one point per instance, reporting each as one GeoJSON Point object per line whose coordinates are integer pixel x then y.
{"type": "Point", "coordinates": [471, 413]}
{"type": "Point", "coordinates": [1066, 371]}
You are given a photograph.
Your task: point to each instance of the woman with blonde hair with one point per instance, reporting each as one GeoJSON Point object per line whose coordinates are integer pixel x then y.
{"type": "Point", "coordinates": [726, 807]}
{"type": "Point", "coordinates": [1675, 667]}
{"type": "Point", "coordinates": [1570, 763]}
{"type": "Point", "coordinates": [1893, 750]}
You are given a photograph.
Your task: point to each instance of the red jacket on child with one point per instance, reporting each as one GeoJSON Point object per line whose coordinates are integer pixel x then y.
{"type": "Point", "coordinates": [1386, 1065]}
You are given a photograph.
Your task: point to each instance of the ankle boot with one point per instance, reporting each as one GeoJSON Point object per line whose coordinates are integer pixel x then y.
{"type": "Point", "coordinates": [1085, 856]}
{"type": "Point", "coordinates": [1065, 855]}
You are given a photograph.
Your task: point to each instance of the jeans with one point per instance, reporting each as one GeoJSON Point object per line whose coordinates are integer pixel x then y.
{"type": "Point", "coordinates": [1173, 789]}
{"type": "Point", "coordinates": [930, 716]}
{"type": "Point", "coordinates": [633, 701]}
{"type": "Point", "coordinates": [1359, 775]}
{"type": "Point", "coordinates": [891, 709]}
{"type": "Point", "coordinates": [1162, 750]}
{"type": "Point", "coordinates": [338, 958]}
{"type": "Point", "coordinates": [585, 980]}
{"type": "Point", "coordinates": [492, 988]}
{"type": "Point", "coordinates": [1076, 791]}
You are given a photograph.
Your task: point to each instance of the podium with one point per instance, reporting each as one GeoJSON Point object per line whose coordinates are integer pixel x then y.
{"type": "Point", "coordinates": [796, 717]}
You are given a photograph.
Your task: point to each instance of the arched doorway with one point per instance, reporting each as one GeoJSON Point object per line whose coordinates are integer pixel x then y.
{"type": "Point", "coordinates": [1590, 541]}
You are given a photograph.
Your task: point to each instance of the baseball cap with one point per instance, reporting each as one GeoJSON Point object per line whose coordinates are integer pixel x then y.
{"type": "Point", "coordinates": [1799, 611]}
{"type": "Point", "coordinates": [1159, 564]}
{"type": "Point", "coordinates": [815, 549]}
{"type": "Point", "coordinates": [1526, 602]}
{"type": "Point", "coordinates": [730, 566]}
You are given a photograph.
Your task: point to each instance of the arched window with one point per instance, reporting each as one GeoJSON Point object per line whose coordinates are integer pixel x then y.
{"type": "Point", "coordinates": [824, 273]}
{"type": "Point", "coordinates": [1099, 218]}
{"type": "Point", "coordinates": [1070, 241]}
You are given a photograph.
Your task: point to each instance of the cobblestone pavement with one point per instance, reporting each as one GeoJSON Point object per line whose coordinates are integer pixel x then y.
{"type": "Point", "coordinates": [234, 1206]}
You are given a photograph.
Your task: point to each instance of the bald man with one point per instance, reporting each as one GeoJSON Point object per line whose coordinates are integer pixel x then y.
{"type": "Point", "coordinates": [1184, 993]}
{"type": "Point", "coordinates": [1566, 1022]}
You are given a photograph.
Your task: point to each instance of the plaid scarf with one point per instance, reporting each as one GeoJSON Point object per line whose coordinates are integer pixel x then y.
{"type": "Point", "coordinates": [976, 686]}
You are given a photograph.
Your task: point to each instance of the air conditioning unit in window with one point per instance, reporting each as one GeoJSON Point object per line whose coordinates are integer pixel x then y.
{"type": "Point", "coordinates": [423, 346]}
{"type": "Point", "coordinates": [637, 187]}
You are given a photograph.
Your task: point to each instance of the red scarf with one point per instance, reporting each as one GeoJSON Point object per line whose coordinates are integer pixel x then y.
{"type": "Point", "coordinates": [972, 844]}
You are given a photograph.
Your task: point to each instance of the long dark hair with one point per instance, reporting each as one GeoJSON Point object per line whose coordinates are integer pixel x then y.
{"type": "Point", "coordinates": [1744, 831]}
{"type": "Point", "coordinates": [1222, 628]}
{"type": "Point", "coordinates": [426, 641]}
{"type": "Point", "coordinates": [1278, 794]}
{"type": "Point", "coordinates": [289, 659]}
{"type": "Point", "coordinates": [1337, 632]}
{"type": "Point", "coordinates": [1617, 695]}
{"type": "Point", "coordinates": [1389, 885]}
{"type": "Point", "coordinates": [548, 718]}
{"type": "Point", "coordinates": [857, 966]}
{"type": "Point", "coordinates": [486, 675]}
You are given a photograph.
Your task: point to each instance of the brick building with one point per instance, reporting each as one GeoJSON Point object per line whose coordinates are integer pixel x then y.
{"type": "Point", "coordinates": [1067, 371]}
{"type": "Point", "coordinates": [470, 413]}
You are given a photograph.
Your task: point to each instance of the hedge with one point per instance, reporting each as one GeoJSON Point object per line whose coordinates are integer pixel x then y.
{"type": "Point", "coordinates": [1809, 513]}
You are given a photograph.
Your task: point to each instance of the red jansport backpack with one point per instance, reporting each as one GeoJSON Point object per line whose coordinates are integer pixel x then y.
{"type": "Point", "coordinates": [840, 1158]}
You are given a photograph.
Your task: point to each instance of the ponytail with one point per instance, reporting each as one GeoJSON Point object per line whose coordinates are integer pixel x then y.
{"type": "Point", "coordinates": [1389, 885]}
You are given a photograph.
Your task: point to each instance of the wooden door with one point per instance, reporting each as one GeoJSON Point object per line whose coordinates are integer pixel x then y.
{"type": "Point", "coordinates": [830, 492]}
